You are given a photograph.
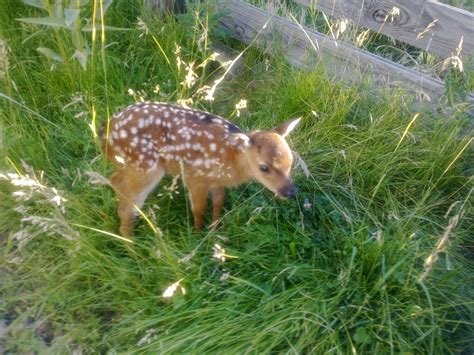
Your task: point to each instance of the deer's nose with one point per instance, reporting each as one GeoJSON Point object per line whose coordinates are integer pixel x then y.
{"type": "Point", "coordinates": [289, 192]}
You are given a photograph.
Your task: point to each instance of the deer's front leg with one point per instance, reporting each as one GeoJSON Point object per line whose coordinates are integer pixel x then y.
{"type": "Point", "coordinates": [218, 195]}
{"type": "Point", "coordinates": [198, 198]}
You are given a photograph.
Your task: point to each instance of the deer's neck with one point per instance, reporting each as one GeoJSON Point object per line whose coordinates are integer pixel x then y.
{"type": "Point", "coordinates": [239, 171]}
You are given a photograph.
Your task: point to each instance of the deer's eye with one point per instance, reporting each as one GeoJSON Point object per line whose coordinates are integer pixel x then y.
{"type": "Point", "coordinates": [264, 168]}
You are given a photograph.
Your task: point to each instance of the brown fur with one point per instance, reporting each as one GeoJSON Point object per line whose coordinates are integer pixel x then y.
{"type": "Point", "coordinates": [148, 140]}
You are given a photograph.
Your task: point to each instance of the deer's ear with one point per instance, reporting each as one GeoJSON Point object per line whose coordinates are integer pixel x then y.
{"type": "Point", "coordinates": [240, 141]}
{"type": "Point", "coordinates": [285, 128]}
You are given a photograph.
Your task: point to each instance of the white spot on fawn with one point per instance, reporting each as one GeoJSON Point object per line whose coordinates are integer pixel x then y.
{"type": "Point", "coordinates": [120, 159]}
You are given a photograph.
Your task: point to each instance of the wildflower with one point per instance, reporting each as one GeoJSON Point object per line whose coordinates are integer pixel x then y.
{"type": "Point", "coordinates": [131, 92]}
{"type": "Point", "coordinates": [343, 153]}
{"type": "Point", "coordinates": [307, 205]}
{"type": "Point", "coordinates": [240, 105]}
{"type": "Point", "coordinates": [219, 252]}
{"type": "Point", "coordinates": [177, 52]}
{"type": "Point", "coordinates": [149, 336]}
{"type": "Point", "coordinates": [203, 89]}
{"type": "Point", "coordinates": [57, 199]}
{"type": "Point", "coordinates": [187, 257]}
{"type": "Point", "coordinates": [341, 26]}
{"type": "Point", "coordinates": [142, 26]}
{"type": "Point", "coordinates": [185, 102]}
{"type": "Point", "coordinates": [174, 185]}
{"type": "Point", "coordinates": [224, 276]}
{"type": "Point", "coordinates": [214, 56]}
{"type": "Point", "coordinates": [171, 289]}
{"type": "Point", "coordinates": [211, 58]}
{"type": "Point", "coordinates": [227, 63]}
{"type": "Point", "coordinates": [210, 92]}
{"type": "Point", "coordinates": [142, 95]}
{"type": "Point", "coordinates": [191, 76]}
{"type": "Point", "coordinates": [156, 90]}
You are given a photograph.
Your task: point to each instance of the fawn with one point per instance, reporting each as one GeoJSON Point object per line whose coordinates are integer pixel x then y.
{"type": "Point", "coordinates": [149, 139]}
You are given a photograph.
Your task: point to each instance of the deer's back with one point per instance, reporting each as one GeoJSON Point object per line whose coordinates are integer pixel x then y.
{"type": "Point", "coordinates": [147, 134]}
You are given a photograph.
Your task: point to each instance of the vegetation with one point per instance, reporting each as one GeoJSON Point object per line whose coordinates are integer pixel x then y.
{"type": "Point", "coordinates": [373, 256]}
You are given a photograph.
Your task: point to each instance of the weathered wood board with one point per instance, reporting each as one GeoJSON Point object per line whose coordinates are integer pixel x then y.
{"type": "Point", "coordinates": [444, 25]}
{"type": "Point", "coordinates": [305, 47]}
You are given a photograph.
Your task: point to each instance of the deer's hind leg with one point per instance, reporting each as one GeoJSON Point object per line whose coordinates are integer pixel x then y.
{"type": "Point", "coordinates": [218, 195]}
{"type": "Point", "coordinates": [132, 186]}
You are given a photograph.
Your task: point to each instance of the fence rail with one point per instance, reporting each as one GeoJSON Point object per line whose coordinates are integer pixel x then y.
{"type": "Point", "coordinates": [430, 25]}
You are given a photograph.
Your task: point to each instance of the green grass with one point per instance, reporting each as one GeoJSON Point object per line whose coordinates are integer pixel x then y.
{"type": "Point", "coordinates": [335, 270]}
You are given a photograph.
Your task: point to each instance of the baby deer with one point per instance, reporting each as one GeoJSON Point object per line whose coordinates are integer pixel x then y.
{"type": "Point", "coordinates": [148, 139]}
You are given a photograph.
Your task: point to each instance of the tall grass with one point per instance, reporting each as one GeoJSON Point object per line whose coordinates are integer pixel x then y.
{"type": "Point", "coordinates": [335, 270]}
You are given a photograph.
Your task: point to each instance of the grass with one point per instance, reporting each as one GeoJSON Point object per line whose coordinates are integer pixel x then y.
{"type": "Point", "coordinates": [335, 270]}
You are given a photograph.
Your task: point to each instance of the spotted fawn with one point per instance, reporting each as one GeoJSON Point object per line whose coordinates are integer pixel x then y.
{"type": "Point", "coordinates": [148, 139]}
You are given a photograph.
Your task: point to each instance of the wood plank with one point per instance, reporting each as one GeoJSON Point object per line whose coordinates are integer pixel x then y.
{"type": "Point", "coordinates": [413, 18]}
{"type": "Point", "coordinates": [305, 47]}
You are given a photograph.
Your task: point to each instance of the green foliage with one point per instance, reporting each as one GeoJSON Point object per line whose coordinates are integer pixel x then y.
{"type": "Point", "coordinates": [70, 19]}
{"type": "Point", "coordinates": [334, 270]}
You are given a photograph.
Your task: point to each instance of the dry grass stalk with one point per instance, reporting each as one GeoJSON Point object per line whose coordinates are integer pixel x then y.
{"type": "Point", "coordinates": [433, 257]}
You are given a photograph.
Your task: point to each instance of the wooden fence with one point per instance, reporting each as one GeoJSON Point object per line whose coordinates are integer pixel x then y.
{"type": "Point", "coordinates": [304, 47]}
{"type": "Point", "coordinates": [429, 25]}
